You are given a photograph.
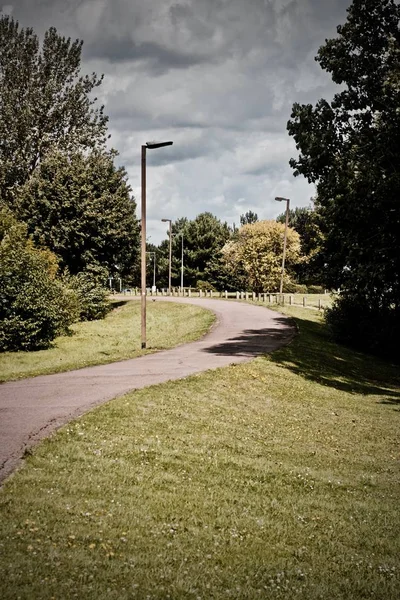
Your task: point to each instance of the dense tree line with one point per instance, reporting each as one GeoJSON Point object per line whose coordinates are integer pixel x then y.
{"type": "Point", "coordinates": [350, 147]}
{"type": "Point", "coordinates": [68, 212]}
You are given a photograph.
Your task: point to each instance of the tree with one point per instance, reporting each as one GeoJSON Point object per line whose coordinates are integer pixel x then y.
{"type": "Point", "coordinates": [44, 102]}
{"type": "Point", "coordinates": [248, 218]}
{"type": "Point", "coordinates": [203, 239]}
{"type": "Point", "coordinates": [35, 307]}
{"type": "Point", "coordinates": [256, 255]}
{"type": "Point", "coordinates": [350, 148]}
{"type": "Point", "coordinates": [305, 221]}
{"type": "Point", "coordinates": [80, 207]}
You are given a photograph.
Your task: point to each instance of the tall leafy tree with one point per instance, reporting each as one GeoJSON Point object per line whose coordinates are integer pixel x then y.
{"type": "Point", "coordinates": [255, 255]}
{"type": "Point", "coordinates": [44, 102]}
{"type": "Point", "coordinates": [80, 207]}
{"type": "Point", "coordinates": [350, 147]}
{"type": "Point", "coordinates": [204, 238]}
{"type": "Point", "coordinates": [305, 220]}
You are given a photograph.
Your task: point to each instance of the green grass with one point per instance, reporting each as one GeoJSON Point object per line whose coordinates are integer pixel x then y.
{"type": "Point", "coordinates": [117, 337]}
{"type": "Point", "coordinates": [276, 479]}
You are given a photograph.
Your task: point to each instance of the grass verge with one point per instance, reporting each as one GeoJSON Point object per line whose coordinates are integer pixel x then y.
{"type": "Point", "coordinates": [274, 479]}
{"type": "Point", "coordinates": [117, 337]}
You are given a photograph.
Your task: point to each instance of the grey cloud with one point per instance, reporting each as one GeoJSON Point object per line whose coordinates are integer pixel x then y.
{"type": "Point", "coordinates": [153, 55]}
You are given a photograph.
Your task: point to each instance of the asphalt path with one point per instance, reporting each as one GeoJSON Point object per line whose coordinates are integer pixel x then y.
{"type": "Point", "coordinates": [30, 409]}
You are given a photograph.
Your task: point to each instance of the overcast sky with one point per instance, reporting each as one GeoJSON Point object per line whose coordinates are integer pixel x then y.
{"type": "Point", "coordinates": [218, 77]}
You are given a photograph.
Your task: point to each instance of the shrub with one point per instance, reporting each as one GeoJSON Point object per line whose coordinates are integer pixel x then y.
{"type": "Point", "coordinates": [35, 307]}
{"type": "Point", "coordinates": [294, 288]}
{"type": "Point", "coordinates": [362, 325]}
{"type": "Point", "coordinates": [204, 286]}
{"type": "Point", "coordinates": [92, 296]}
{"type": "Point", "coordinates": [315, 289]}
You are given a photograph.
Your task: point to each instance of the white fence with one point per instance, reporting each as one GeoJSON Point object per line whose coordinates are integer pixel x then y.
{"type": "Point", "coordinates": [319, 301]}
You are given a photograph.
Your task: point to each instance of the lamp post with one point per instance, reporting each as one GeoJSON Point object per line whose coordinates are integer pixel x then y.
{"type": "Point", "coordinates": [150, 146]}
{"type": "Point", "coordinates": [182, 265]}
{"type": "Point", "coordinates": [170, 253]}
{"type": "Point", "coordinates": [287, 200]}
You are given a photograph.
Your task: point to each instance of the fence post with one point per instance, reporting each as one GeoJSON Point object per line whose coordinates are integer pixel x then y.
{"type": "Point", "coordinates": [237, 295]}
{"type": "Point", "coordinates": [319, 304]}
{"type": "Point", "coordinates": [304, 301]}
{"type": "Point", "coordinates": [226, 294]}
{"type": "Point", "coordinates": [200, 293]}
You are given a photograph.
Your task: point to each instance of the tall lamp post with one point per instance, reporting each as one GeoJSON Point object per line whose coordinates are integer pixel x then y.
{"type": "Point", "coordinates": [170, 253]}
{"type": "Point", "coordinates": [147, 146]}
{"type": "Point", "coordinates": [182, 265]}
{"type": "Point", "coordinates": [287, 200]}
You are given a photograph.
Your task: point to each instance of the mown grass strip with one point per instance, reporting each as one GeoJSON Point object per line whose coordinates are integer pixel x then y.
{"type": "Point", "coordinates": [275, 479]}
{"type": "Point", "coordinates": [117, 337]}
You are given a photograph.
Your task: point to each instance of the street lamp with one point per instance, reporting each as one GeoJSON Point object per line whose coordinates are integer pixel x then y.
{"type": "Point", "coordinates": [182, 265]}
{"type": "Point", "coordinates": [150, 146]}
{"type": "Point", "coordinates": [287, 200]}
{"type": "Point", "coordinates": [170, 253]}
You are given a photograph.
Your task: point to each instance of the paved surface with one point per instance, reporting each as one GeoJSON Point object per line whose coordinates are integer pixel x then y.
{"type": "Point", "coordinates": [31, 409]}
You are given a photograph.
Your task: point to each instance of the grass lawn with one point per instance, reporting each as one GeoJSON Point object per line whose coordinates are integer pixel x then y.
{"type": "Point", "coordinates": [276, 479]}
{"type": "Point", "coordinates": [117, 337]}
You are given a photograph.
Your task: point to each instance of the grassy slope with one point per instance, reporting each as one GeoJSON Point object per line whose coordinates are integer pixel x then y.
{"type": "Point", "coordinates": [274, 479]}
{"type": "Point", "coordinates": [115, 338]}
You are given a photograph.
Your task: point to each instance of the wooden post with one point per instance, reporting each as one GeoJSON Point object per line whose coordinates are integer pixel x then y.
{"type": "Point", "coordinates": [304, 301]}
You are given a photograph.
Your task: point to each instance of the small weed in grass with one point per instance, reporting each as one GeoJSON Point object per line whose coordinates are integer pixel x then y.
{"type": "Point", "coordinates": [274, 479]}
{"type": "Point", "coordinates": [117, 337]}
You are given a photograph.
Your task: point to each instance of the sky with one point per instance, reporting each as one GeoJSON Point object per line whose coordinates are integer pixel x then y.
{"type": "Point", "coordinates": [217, 77]}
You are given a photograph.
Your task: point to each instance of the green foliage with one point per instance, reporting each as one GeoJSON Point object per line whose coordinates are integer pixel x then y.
{"type": "Point", "coordinates": [204, 286]}
{"type": "Point", "coordinates": [92, 296]}
{"type": "Point", "coordinates": [305, 220]}
{"type": "Point", "coordinates": [256, 255]}
{"type": "Point", "coordinates": [315, 289]}
{"type": "Point", "coordinates": [290, 287]}
{"type": "Point", "coordinates": [248, 218]}
{"type": "Point", "coordinates": [45, 102]}
{"type": "Point", "coordinates": [351, 148]}
{"type": "Point", "coordinates": [80, 207]}
{"type": "Point", "coordinates": [365, 326]}
{"type": "Point", "coordinates": [203, 239]}
{"type": "Point", "coordinates": [34, 306]}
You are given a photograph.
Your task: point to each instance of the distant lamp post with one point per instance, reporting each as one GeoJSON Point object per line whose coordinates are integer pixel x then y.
{"type": "Point", "coordinates": [170, 253]}
{"type": "Point", "coordinates": [287, 200]}
{"type": "Point", "coordinates": [149, 146]}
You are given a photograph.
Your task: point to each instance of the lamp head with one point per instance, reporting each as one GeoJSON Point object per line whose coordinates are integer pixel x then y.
{"type": "Point", "coordinates": [153, 145]}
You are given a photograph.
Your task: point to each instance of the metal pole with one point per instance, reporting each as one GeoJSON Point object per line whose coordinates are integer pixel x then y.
{"type": "Point", "coordinates": [143, 251]}
{"type": "Point", "coordinates": [170, 257]}
{"type": "Point", "coordinates": [284, 245]}
{"type": "Point", "coordinates": [154, 271]}
{"type": "Point", "coordinates": [182, 266]}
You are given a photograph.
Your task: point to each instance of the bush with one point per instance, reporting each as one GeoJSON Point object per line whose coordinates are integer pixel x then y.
{"type": "Point", "coordinates": [204, 286]}
{"type": "Point", "coordinates": [35, 307]}
{"type": "Point", "coordinates": [315, 289]}
{"type": "Point", "coordinates": [361, 325]}
{"type": "Point", "coordinates": [294, 288]}
{"type": "Point", "coordinates": [92, 296]}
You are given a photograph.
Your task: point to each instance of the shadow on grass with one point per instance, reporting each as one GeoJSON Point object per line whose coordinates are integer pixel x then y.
{"type": "Point", "coordinates": [256, 342]}
{"type": "Point", "coordinates": [314, 356]}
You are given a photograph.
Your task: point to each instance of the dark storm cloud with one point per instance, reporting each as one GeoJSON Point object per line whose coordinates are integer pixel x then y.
{"type": "Point", "coordinates": [219, 77]}
{"type": "Point", "coordinates": [153, 56]}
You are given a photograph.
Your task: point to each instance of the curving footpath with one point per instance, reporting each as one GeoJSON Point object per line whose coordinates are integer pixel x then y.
{"type": "Point", "coordinates": [31, 409]}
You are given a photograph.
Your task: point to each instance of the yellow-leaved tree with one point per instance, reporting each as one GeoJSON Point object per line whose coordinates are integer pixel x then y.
{"type": "Point", "coordinates": [255, 256]}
